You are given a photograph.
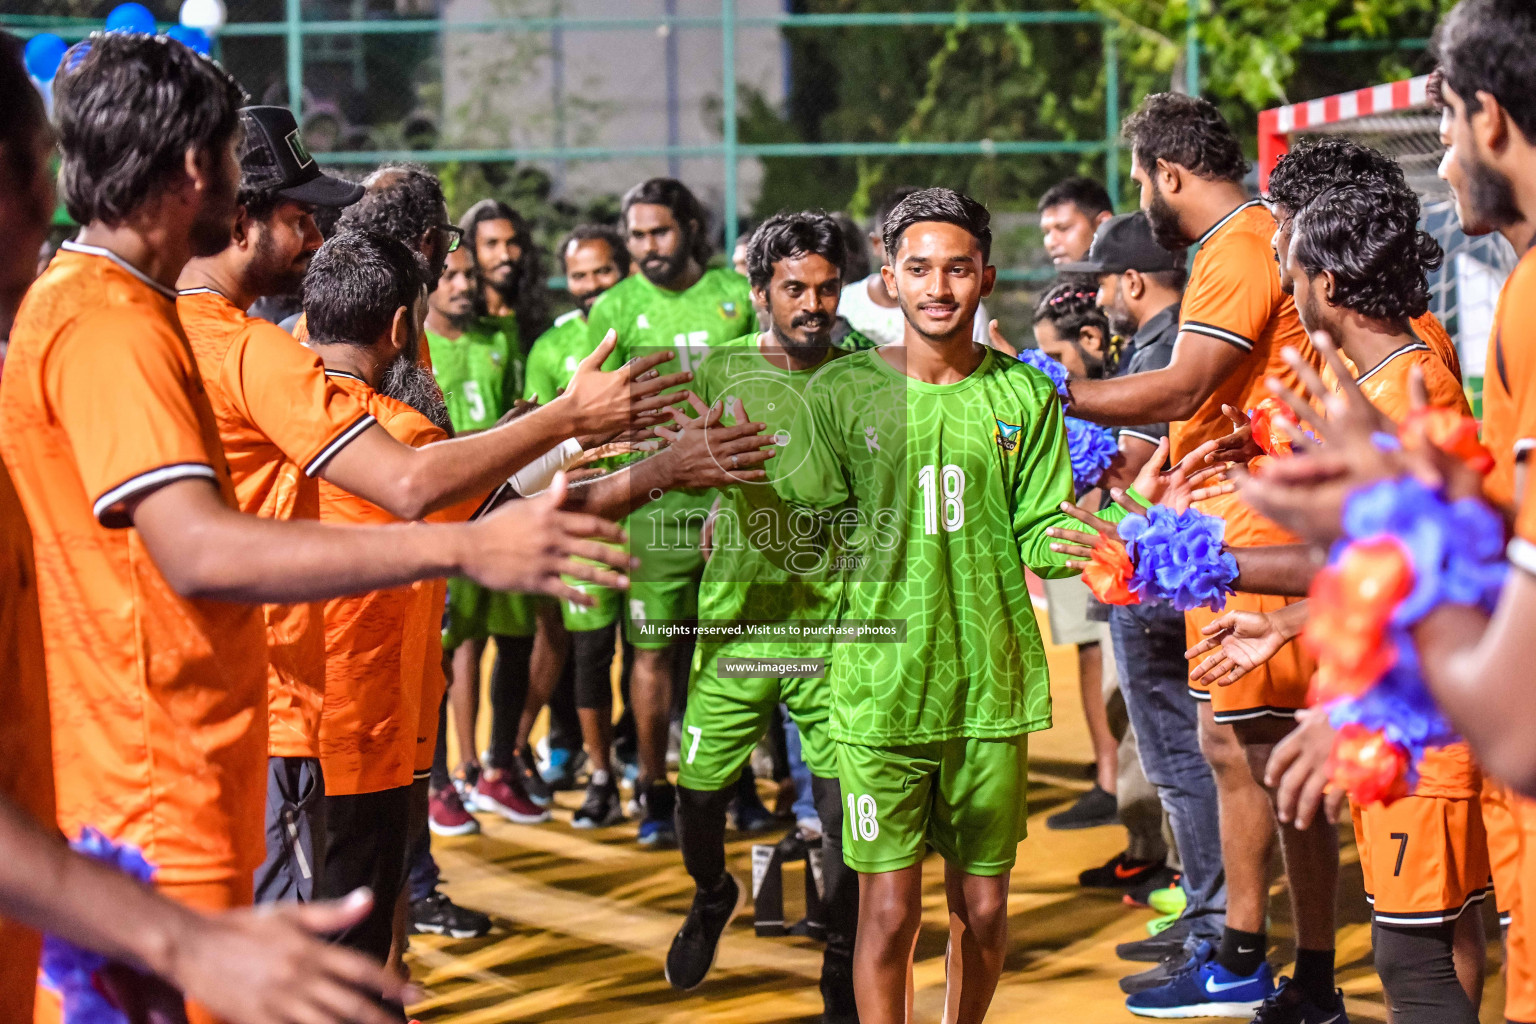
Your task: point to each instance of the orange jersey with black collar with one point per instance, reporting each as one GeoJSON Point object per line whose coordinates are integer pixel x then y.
{"type": "Point", "coordinates": [1388, 384]}
{"type": "Point", "coordinates": [380, 647]}
{"type": "Point", "coordinates": [1234, 296]}
{"type": "Point", "coordinates": [280, 420]}
{"type": "Point", "coordinates": [1433, 333]}
{"type": "Point", "coordinates": [26, 760]}
{"type": "Point", "coordinates": [157, 701]}
{"type": "Point", "coordinates": [1509, 381]}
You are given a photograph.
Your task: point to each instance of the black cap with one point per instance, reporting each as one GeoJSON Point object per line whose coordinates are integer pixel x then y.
{"type": "Point", "coordinates": [1124, 243]}
{"type": "Point", "coordinates": [274, 157]}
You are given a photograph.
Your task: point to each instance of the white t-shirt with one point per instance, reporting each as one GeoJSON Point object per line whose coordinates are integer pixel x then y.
{"type": "Point", "coordinates": [885, 325]}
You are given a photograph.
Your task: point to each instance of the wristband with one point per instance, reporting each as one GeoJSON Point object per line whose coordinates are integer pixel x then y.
{"type": "Point", "coordinates": [1179, 557]}
{"type": "Point", "coordinates": [540, 473]}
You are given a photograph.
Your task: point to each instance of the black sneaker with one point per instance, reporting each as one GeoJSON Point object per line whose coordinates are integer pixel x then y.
{"type": "Point", "coordinates": [1119, 873]}
{"type": "Point", "coordinates": [1094, 808]}
{"type": "Point", "coordinates": [527, 772]}
{"type": "Point", "coordinates": [602, 807]}
{"type": "Point", "coordinates": [694, 946]}
{"type": "Point", "coordinates": [1289, 1006]}
{"type": "Point", "coordinates": [657, 829]}
{"type": "Point", "coordinates": [837, 1002]}
{"type": "Point", "coordinates": [1166, 968]}
{"type": "Point", "coordinates": [1165, 943]}
{"type": "Point", "coordinates": [749, 813]}
{"type": "Point", "coordinates": [439, 915]}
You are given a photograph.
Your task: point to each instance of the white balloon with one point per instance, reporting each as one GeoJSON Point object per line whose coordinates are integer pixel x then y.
{"type": "Point", "coordinates": [208, 15]}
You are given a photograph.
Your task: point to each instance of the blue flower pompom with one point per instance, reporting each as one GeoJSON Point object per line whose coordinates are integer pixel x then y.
{"type": "Point", "coordinates": [1180, 557]}
{"type": "Point", "coordinates": [69, 970]}
{"type": "Point", "coordinates": [1456, 548]}
{"type": "Point", "coordinates": [1092, 449]}
{"type": "Point", "coordinates": [1050, 367]}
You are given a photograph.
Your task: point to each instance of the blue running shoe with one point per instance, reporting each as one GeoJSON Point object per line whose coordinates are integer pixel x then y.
{"type": "Point", "coordinates": [564, 765]}
{"type": "Point", "coordinates": [1205, 989]}
{"type": "Point", "coordinates": [656, 828]}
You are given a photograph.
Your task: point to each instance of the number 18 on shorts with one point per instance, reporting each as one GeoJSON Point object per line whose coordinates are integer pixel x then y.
{"type": "Point", "coordinates": [965, 796]}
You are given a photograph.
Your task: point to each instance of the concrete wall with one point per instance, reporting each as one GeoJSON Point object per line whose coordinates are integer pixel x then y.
{"type": "Point", "coordinates": [502, 90]}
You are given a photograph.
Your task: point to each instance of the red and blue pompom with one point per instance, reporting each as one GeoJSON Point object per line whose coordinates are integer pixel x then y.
{"type": "Point", "coordinates": [1407, 550]}
{"type": "Point", "coordinates": [69, 970]}
{"type": "Point", "coordinates": [1180, 557]}
{"type": "Point", "coordinates": [1092, 448]}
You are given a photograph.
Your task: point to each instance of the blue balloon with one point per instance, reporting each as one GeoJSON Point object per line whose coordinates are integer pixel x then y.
{"type": "Point", "coordinates": [131, 18]}
{"type": "Point", "coordinates": [43, 53]}
{"type": "Point", "coordinates": [193, 38]}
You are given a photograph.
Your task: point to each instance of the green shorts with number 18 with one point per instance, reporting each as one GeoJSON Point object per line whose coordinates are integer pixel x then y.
{"type": "Point", "coordinates": [968, 797]}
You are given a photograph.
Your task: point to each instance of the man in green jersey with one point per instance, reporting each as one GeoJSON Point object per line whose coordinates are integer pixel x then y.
{"type": "Point", "coordinates": [594, 259]}
{"type": "Point", "coordinates": [480, 370]}
{"type": "Point", "coordinates": [512, 278]}
{"type": "Point", "coordinates": [952, 460]}
{"type": "Point", "coordinates": [675, 304]}
{"type": "Point", "coordinates": [795, 265]}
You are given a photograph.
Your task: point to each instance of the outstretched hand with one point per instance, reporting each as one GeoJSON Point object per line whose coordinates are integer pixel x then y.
{"type": "Point", "coordinates": [1306, 492]}
{"type": "Point", "coordinates": [1241, 642]}
{"type": "Point", "coordinates": [706, 454]}
{"type": "Point", "coordinates": [603, 403]}
{"type": "Point", "coordinates": [1078, 545]}
{"type": "Point", "coordinates": [268, 966]}
{"type": "Point", "coordinates": [1190, 481]}
{"type": "Point", "coordinates": [1299, 772]}
{"type": "Point", "coordinates": [1238, 446]}
{"type": "Point", "coordinates": [529, 544]}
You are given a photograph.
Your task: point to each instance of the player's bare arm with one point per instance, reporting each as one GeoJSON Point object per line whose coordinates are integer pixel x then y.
{"type": "Point", "coordinates": [1479, 672]}
{"type": "Point", "coordinates": [245, 966]}
{"type": "Point", "coordinates": [411, 482]}
{"type": "Point", "coordinates": [203, 547]}
{"type": "Point", "coordinates": [701, 454]}
{"type": "Point", "coordinates": [1199, 365]}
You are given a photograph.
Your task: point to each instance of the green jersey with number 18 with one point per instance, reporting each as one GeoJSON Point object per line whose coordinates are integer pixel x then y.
{"type": "Point", "coordinates": [954, 486]}
{"type": "Point", "coordinates": [648, 319]}
{"type": "Point", "coordinates": [480, 372]}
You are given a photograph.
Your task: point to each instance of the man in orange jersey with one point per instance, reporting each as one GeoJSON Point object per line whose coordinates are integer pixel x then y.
{"type": "Point", "coordinates": [250, 969]}
{"type": "Point", "coordinates": [148, 573]}
{"type": "Point", "coordinates": [1315, 166]}
{"type": "Point", "coordinates": [383, 655]}
{"type": "Point", "coordinates": [283, 426]}
{"type": "Point", "coordinates": [1360, 271]}
{"type": "Point", "coordinates": [365, 298]}
{"type": "Point", "coordinates": [1479, 669]}
{"type": "Point", "coordinates": [1234, 322]}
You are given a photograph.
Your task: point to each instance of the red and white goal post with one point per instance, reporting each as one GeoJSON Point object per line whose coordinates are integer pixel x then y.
{"type": "Point", "coordinates": [1399, 119]}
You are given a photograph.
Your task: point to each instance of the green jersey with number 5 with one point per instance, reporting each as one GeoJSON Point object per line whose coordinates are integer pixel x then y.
{"type": "Point", "coordinates": [480, 372]}
{"type": "Point", "coordinates": [954, 486]}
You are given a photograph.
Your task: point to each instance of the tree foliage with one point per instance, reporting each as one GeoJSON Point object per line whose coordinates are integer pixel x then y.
{"type": "Point", "coordinates": [972, 82]}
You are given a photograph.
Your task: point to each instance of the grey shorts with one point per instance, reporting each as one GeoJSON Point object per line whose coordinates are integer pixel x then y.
{"type": "Point", "coordinates": [1066, 609]}
{"type": "Point", "coordinates": [295, 830]}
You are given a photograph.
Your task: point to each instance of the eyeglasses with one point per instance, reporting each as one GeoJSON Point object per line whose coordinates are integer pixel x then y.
{"type": "Point", "coordinates": [455, 235]}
